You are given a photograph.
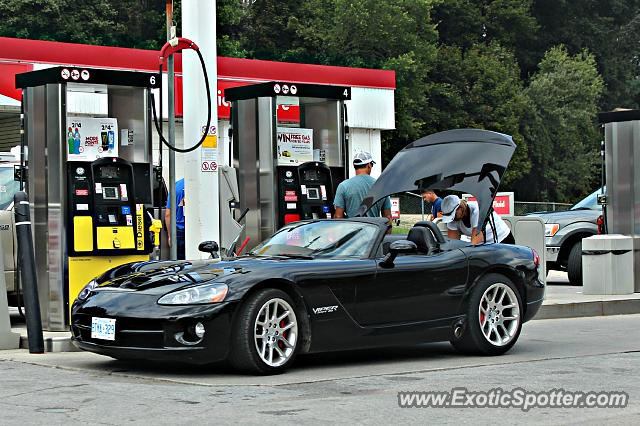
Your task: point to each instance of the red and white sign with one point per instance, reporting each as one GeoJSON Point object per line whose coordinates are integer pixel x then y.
{"type": "Point", "coordinates": [395, 208]}
{"type": "Point", "coordinates": [503, 204]}
{"type": "Point", "coordinates": [290, 196]}
{"type": "Point", "coordinates": [285, 113]}
{"type": "Point", "coordinates": [208, 166]}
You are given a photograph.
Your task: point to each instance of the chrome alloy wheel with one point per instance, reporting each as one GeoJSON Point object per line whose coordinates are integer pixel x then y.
{"type": "Point", "coordinates": [276, 332]}
{"type": "Point", "coordinates": [499, 314]}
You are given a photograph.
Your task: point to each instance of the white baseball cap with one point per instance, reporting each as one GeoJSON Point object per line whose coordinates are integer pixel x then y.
{"type": "Point", "coordinates": [450, 204]}
{"type": "Point", "coordinates": [362, 158]}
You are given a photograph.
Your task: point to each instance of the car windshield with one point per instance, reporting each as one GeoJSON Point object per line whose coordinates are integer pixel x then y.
{"type": "Point", "coordinates": [590, 202]}
{"type": "Point", "coordinates": [8, 187]}
{"type": "Point", "coordinates": [326, 238]}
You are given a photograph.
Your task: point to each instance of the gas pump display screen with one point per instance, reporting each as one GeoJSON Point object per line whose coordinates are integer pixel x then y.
{"type": "Point", "coordinates": [313, 194]}
{"type": "Point", "coordinates": [311, 175]}
{"type": "Point", "coordinates": [109, 172]}
{"type": "Point", "coordinates": [110, 193]}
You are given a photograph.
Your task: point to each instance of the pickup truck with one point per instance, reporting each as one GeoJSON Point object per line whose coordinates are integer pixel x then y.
{"type": "Point", "coordinates": [564, 231]}
{"type": "Point", "coordinates": [8, 187]}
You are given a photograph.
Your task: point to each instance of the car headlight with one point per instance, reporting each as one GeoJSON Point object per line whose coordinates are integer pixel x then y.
{"type": "Point", "coordinates": [550, 229]}
{"type": "Point", "coordinates": [198, 295]}
{"type": "Point", "coordinates": [86, 290]}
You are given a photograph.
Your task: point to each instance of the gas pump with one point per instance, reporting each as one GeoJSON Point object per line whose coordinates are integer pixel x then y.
{"type": "Point", "coordinates": [289, 146]}
{"type": "Point", "coordinates": [90, 176]}
{"type": "Point", "coordinates": [305, 192]}
{"type": "Point", "coordinates": [106, 218]}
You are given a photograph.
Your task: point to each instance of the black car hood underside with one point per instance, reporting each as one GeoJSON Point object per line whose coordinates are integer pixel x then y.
{"type": "Point", "coordinates": [472, 161]}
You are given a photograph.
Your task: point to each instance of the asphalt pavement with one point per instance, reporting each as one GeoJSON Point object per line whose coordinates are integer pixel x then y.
{"type": "Point", "coordinates": [580, 354]}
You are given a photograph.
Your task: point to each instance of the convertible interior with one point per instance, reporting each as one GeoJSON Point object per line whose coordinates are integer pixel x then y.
{"type": "Point", "coordinates": [425, 235]}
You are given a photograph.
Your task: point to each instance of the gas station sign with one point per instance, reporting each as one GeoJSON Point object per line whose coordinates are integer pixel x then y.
{"type": "Point", "coordinates": [395, 208]}
{"type": "Point", "coordinates": [503, 204]}
{"type": "Point", "coordinates": [209, 150]}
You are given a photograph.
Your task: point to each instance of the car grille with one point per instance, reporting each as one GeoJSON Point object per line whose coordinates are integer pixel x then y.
{"type": "Point", "coordinates": [130, 332]}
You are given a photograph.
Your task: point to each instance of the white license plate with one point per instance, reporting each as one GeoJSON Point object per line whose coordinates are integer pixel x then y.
{"type": "Point", "coordinates": [103, 328]}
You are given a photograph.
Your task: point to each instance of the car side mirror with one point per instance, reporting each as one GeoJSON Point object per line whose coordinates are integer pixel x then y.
{"type": "Point", "coordinates": [395, 248]}
{"type": "Point", "coordinates": [210, 247]}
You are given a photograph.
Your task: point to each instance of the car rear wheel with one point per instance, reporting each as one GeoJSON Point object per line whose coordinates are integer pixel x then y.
{"type": "Point", "coordinates": [494, 317]}
{"type": "Point", "coordinates": [574, 264]}
{"type": "Point", "coordinates": [266, 335]}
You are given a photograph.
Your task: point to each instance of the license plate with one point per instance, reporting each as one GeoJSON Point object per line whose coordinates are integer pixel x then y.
{"type": "Point", "coordinates": [103, 328]}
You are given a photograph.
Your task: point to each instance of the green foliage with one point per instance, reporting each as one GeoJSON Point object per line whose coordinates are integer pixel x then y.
{"type": "Point", "coordinates": [479, 89]}
{"type": "Point", "coordinates": [563, 140]}
{"type": "Point", "coordinates": [59, 20]}
{"type": "Point", "coordinates": [605, 28]}
{"type": "Point", "coordinates": [467, 23]}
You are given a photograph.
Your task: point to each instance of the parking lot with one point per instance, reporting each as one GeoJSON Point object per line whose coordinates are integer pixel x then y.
{"type": "Point", "coordinates": [80, 387]}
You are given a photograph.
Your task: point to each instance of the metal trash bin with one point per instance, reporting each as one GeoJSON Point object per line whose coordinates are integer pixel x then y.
{"type": "Point", "coordinates": [607, 264]}
{"type": "Point", "coordinates": [529, 231]}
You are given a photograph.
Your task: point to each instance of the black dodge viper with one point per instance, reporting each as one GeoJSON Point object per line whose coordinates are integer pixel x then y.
{"type": "Point", "coordinates": [328, 285]}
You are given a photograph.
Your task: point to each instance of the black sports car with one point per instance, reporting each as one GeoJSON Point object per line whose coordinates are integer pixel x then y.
{"type": "Point", "coordinates": [325, 285]}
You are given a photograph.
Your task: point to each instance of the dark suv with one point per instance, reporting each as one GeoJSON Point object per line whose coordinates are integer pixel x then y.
{"type": "Point", "coordinates": [564, 232]}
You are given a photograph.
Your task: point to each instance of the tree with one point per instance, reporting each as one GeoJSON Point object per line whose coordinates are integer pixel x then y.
{"type": "Point", "coordinates": [605, 28]}
{"type": "Point", "coordinates": [393, 34]}
{"type": "Point", "coordinates": [481, 89]}
{"type": "Point", "coordinates": [560, 127]}
{"type": "Point", "coordinates": [468, 23]}
{"type": "Point", "coordinates": [60, 20]}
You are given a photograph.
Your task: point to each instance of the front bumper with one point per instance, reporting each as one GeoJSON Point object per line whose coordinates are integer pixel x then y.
{"type": "Point", "coordinates": [552, 253]}
{"type": "Point", "coordinates": [154, 332]}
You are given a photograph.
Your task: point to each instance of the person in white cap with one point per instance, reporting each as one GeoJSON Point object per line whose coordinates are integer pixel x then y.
{"type": "Point", "coordinates": [462, 218]}
{"type": "Point", "coordinates": [351, 192]}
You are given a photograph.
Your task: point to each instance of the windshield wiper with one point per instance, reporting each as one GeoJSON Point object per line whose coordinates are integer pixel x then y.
{"type": "Point", "coordinates": [293, 256]}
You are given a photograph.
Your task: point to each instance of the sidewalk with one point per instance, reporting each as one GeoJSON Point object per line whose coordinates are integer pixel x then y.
{"type": "Point", "coordinates": [562, 300]}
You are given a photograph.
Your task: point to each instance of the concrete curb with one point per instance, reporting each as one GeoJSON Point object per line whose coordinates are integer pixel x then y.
{"type": "Point", "coordinates": [589, 309]}
{"type": "Point", "coordinates": [61, 343]}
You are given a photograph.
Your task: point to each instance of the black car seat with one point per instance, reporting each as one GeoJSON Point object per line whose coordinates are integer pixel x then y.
{"type": "Point", "coordinates": [422, 238]}
{"type": "Point", "coordinates": [433, 228]}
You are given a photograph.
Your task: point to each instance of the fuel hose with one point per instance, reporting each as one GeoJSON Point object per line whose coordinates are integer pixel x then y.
{"type": "Point", "coordinates": [183, 44]}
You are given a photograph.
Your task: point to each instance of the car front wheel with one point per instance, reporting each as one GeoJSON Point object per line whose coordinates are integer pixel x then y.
{"type": "Point", "coordinates": [266, 336]}
{"type": "Point", "coordinates": [494, 317]}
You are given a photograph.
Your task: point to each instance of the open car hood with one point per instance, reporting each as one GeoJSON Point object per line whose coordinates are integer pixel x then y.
{"type": "Point", "coordinates": [468, 160]}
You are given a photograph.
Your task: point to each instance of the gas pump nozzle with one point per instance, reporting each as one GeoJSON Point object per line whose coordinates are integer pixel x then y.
{"type": "Point", "coordinates": [156, 227]}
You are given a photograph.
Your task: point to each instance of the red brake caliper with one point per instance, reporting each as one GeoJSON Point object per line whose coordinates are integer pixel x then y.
{"type": "Point", "coordinates": [280, 344]}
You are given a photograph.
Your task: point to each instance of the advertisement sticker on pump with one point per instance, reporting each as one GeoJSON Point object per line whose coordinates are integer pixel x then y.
{"type": "Point", "coordinates": [91, 138]}
{"type": "Point", "coordinates": [295, 146]}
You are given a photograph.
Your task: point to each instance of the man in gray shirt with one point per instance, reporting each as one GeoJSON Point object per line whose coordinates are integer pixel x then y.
{"type": "Point", "coordinates": [351, 192]}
